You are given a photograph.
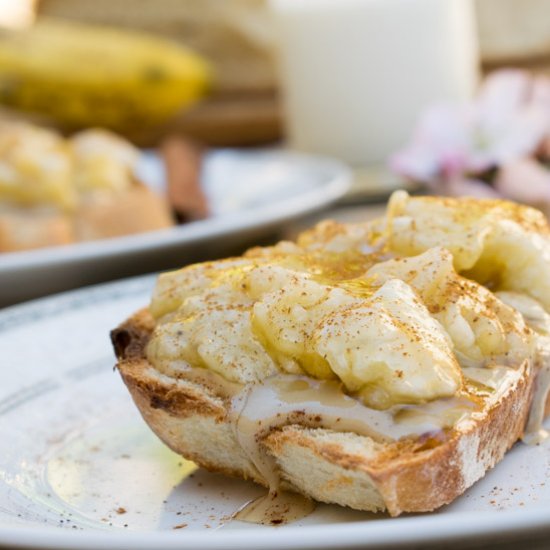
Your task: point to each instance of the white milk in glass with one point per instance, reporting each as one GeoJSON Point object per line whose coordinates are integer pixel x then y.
{"type": "Point", "coordinates": [356, 74]}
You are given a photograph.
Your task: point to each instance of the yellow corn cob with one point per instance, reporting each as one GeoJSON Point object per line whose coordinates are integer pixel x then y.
{"type": "Point", "coordinates": [82, 75]}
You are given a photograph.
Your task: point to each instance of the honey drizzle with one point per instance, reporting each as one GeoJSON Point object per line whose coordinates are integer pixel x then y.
{"type": "Point", "coordinates": [290, 399]}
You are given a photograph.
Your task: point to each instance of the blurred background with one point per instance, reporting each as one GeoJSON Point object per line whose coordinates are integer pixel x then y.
{"type": "Point", "coordinates": [433, 96]}
{"type": "Point", "coordinates": [239, 39]}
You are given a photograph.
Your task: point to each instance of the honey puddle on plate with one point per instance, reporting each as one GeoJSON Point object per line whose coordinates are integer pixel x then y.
{"type": "Point", "coordinates": [276, 508]}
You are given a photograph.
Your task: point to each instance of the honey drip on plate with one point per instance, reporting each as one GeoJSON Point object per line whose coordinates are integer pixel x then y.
{"type": "Point", "coordinates": [276, 508]}
{"type": "Point", "coordinates": [534, 432]}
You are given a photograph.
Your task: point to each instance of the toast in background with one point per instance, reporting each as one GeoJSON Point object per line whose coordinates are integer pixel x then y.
{"type": "Point", "coordinates": [58, 191]}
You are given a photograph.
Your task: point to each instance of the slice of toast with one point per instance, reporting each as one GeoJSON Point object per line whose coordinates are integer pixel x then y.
{"type": "Point", "coordinates": [412, 474]}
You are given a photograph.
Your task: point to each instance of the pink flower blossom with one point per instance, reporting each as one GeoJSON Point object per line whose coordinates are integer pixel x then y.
{"type": "Point", "coordinates": [454, 146]}
{"type": "Point", "coordinates": [524, 180]}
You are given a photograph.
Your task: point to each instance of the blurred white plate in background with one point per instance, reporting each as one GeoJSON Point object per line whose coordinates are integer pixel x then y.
{"type": "Point", "coordinates": [79, 468]}
{"type": "Point", "coordinates": [251, 193]}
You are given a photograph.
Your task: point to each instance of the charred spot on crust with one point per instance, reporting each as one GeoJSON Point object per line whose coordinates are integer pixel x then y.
{"type": "Point", "coordinates": [130, 339]}
{"type": "Point", "coordinates": [159, 403]}
{"type": "Point", "coordinates": [120, 339]}
{"type": "Point", "coordinates": [180, 403]}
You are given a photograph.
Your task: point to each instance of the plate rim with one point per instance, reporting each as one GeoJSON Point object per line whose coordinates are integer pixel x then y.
{"type": "Point", "coordinates": [404, 532]}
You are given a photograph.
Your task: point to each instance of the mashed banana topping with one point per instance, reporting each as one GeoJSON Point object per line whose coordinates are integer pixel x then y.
{"type": "Point", "coordinates": [502, 245]}
{"type": "Point", "coordinates": [102, 161]}
{"type": "Point", "coordinates": [483, 329]}
{"type": "Point", "coordinates": [40, 168]}
{"type": "Point", "coordinates": [35, 167]}
{"type": "Point", "coordinates": [389, 349]}
{"type": "Point", "coordinates": [255, 320]}
{"type": "Point", "coordinates": [391, 309]}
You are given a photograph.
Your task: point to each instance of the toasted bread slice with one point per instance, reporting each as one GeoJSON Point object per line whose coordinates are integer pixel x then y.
{"type": "Point", "coordinates": [412, 474]}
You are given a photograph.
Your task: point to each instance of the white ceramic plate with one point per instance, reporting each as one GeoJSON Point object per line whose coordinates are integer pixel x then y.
{"type": "Point", "coordinates": [251, 194]}
{"type": "Point", "coordinates": [79, 468]}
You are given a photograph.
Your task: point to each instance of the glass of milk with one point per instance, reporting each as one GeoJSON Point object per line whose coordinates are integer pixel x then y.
{"type": "Point", "coordinates": [356, 74]}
